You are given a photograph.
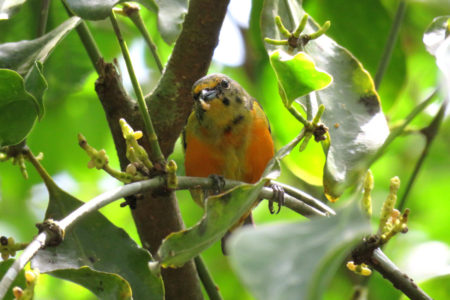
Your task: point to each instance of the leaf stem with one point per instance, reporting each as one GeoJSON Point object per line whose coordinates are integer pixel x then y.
{"type": "Point", "coordinates": [132, 12]}
{"type": "Point", "coordinates": [156, 154]}
{"type": "Point", "coordinates": [430, 133]}
{"type": "Point", "coordinates": [392, 38]}
{"type": "Point", "coordinates": [299, 117]}
{"type": "Point", "coordinates": [87, 40]}
{"type": "Point", "coordinates": [39, 168]}
{"type": "Point", "coordinates": [206, 278]}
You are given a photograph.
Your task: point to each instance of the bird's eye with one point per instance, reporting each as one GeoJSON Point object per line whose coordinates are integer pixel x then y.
{"type": "Point", "coordinates": [225, 84]}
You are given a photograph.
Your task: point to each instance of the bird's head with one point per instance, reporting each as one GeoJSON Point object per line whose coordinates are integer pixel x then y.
{"type": "Point", "coordinates": [219, 100]}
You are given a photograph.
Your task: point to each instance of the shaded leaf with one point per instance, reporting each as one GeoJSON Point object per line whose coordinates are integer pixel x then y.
{"type": "Point", "coordinates": [20, 56]}
{"type": "Point", "coordinates": [357, 126]}
{"type": "Point", "coordinates": [295, 260]}
{"type": "Point", "coordinates": [436, 287]}
{"type": "Point", "coordinates": [100, 9]}
{"type": "Point", "coordinates": [297, 75]}
{"type": "Point", "coordinates": [36, 85]}
{"type": "Point", "coordinates": [98, 244]}
{"type": "Point", "coordinates": [8, 8]}
{"type": "Point", "coordinates": [18, 109]}
{"type": "Point", "coordinates": [170, 18]}
{"type": "Point", "coordinates": [104, 285]}
{"type": "Point", "coordinates": [19, 281]}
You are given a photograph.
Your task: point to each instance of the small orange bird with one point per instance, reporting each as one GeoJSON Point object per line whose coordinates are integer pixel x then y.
{"type": "Point", "coordinates": [227, 134]}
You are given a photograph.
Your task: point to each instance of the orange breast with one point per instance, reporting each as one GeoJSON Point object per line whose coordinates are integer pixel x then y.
{"type": "Point", "coordinates": [260, 149]}
{"type": "Point", "coordinates": [200, 159]}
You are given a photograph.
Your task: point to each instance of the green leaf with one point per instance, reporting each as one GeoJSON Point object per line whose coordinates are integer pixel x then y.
{"type": "Point", "coordinates": [100, 9]}
{"type": "Point", "coordinates": [295, 260]}
{"type": "Point", "coordinates": [222, 212]}
{"type": "Point", "coordinates": [96, 243]}
{"type": "Point", "coordinates": [297, 75]}
{"type": "Point", "coordinates": [20, 56]}
{"type": "Point", "coordinates": [104, 285]}
{"type": "Point", "coordinates": [8, 8]}
{"type": "Point", "coordinates": [36, 85]}
{"type": "Point", "coordinates": [19, 281]}
{"type": "Point", "coordinates": [18, 109]}
{"type": "Point", "coordinates": [436, 287]}
{"type": "Point", "coordinates": [170, 18]}
{"type": "Point", "coordinates": [357, 126]}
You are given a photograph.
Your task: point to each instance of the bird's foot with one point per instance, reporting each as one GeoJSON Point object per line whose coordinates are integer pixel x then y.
{"type": "Point", "coordinates": [278, 196]}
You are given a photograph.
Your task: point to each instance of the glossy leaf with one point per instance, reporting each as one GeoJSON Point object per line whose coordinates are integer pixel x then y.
{"type": "Point", "coordinates": [18, 109]}
{"type": "Point", "coordinates": [20, 56]}
{"type": "Point", "coordinates": [170, 18]}
{"type": "Point", "coordinates": [357, 126]}
{"type": "Point", "coordinates": [222, 212]}
{"type": "Point", "coordinates": [8, 8]}
{"type": "Point", "coordinates": [100, 9]}
{"type": "Point", "coordinates": [96, 243]}
{"type": "Point", "coordinates": [36, 85]}
{"type": "Point", "coordinates": [107, 286]}
{"type": "Point", "coordinates": [19, 281]}
{"type": "Point", "coordinates": [297, 75]}
{"type": "Point", "coordinates": [295, 260]}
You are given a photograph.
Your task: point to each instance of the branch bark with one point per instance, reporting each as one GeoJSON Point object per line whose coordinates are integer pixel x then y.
{"type": "Point", "coordinates": [169, 104]}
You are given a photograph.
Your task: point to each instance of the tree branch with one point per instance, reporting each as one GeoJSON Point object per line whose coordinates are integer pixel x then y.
{"type": "Point", "coordinates": [124, 191]}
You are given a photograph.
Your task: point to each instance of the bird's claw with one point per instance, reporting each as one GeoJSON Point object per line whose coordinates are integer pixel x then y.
{"type": "Point", "coordinates": [278, 196]}
{"type": "Point", "coordinates": [218, 183]}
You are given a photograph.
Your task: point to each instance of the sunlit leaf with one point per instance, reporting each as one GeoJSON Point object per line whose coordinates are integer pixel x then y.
{"type": "Point", "coordinates": [104, 285]}
{"type": "Point", "coordinates": [8, 8]}
{"type": "Point", "coordinates": [19, 281]}
{"type": "Point", "coordinates": [295, 261]}
{"type": "Point", "coordinates": [357, 126]}
{"type": "Point", "coordinates": [20, 56]}
{"type": "Point", "coordinates": [96, 243]}
{"type": "Point", "coordinates": [297, 75]}
{"type": "Point", "coordinates": [18, 108]}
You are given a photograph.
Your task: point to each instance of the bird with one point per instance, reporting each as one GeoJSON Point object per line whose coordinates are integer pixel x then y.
{"type": "Point", "coordinates": [227, 134]}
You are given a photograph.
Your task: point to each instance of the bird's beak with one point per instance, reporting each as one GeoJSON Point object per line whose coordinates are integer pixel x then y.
{"type": "Point", "coordinates": [206, 96]}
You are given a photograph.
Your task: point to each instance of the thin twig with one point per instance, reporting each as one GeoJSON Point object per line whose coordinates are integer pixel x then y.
{"type": "Point", "coordinates": [43, 17]}
{"type": "Point", "coordinates": [401, 128]}
{"type": "Point", "coordinates": [132, 12]}
{"type": "Point", "coordinates": [393, 35]}
{"type": "Point", "coordinates": [210, 287]}
{"type": "Point", "coordinates": [155, 150]}
{"type": "Point", "coordinates": [430, 133]}
{"type": "Point", "coordinates": [124, 191]}
{"type": "Point", "coordinates": [380, 262]}
{"type": "Point", "coordinates": [87, 40]}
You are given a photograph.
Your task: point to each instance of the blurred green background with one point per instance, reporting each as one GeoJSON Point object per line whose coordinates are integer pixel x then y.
{"type": "Point", "coordinates": [361, 26]}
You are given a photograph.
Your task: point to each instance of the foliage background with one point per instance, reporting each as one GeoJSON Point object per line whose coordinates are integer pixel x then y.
{"type": "Point", "coordinates": [361, 26]}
